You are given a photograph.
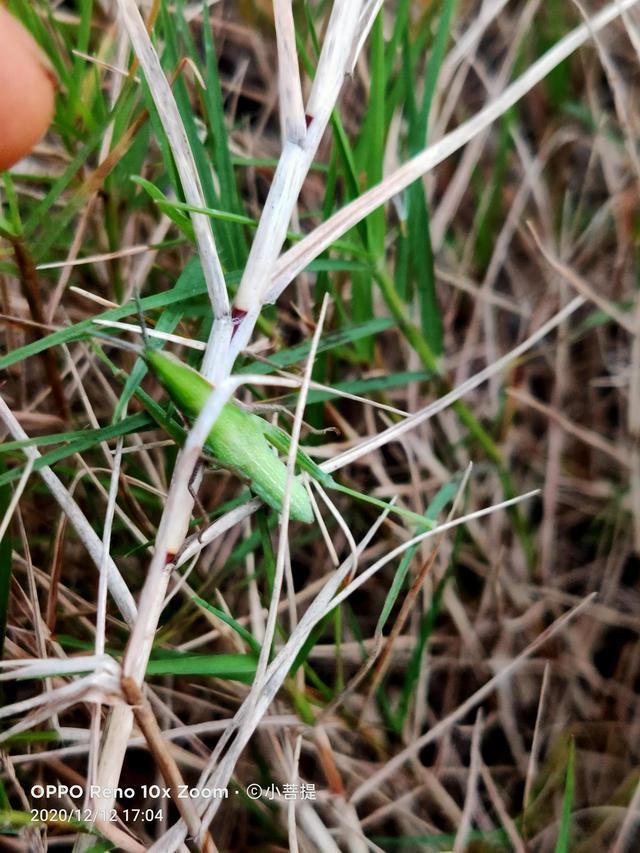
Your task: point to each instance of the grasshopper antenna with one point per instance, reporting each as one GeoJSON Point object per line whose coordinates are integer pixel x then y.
{"type": "Point", "coordinates": [117, 342]}
{"type": "Point", "coordinates": [143, 325]}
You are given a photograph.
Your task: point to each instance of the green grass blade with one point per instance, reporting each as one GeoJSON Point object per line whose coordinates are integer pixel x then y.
{"type": "Point", "coordinates": [166, 206]}
{"type": "Point", "coordinates": [85, 441]}
{"type": "Point", "coordinates": [562, 844]}
{"type": "Point", "coordinates": [230, 667]}
{"type": "Point", "coordinates": [240, 630]}
{"type": "Point", "coordinates": [343, 337]}
{"type": "Point", "coordinates": [135, 423]}
{"type": "Point", "coordinates": [218, 141]}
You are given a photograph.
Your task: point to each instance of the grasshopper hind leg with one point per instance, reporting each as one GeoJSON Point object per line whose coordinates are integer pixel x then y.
{"type": "Point", "coordinates": [194, 482]}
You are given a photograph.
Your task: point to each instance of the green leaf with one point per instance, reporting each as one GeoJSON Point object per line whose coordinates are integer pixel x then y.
{"type": "Point", "coordinates": [231, 667]}
{"type": "Point", "coordinates": [419, 232]}
{"type": "Point", "coordinates": [363, 387]}
{"type": "Point", "coordinates": [344, 336]}
{"type": "Point", "coordinates": [218, 140]}
{"type": "Point", "coordinates": [240, 630]}
{"type": "Point", "coordinates": [269, 558]}
{"type": "Point", "coordinates": [194, 285]}
{"type": "Point", "coordinates": [11, 819]}
{"type": "Point", "coordinates": [445, 494]}
{"type": "Point", "coordinates": [167, 206]}
{"type": "Point", "coordinates": [562, 844]}
{"type": "Point", "coordinates": [140, 421]}
{"type": "Point", "coordinates": [86, 439]}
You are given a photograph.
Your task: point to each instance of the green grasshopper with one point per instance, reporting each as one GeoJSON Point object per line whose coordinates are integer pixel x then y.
{"type": "Point", "coordinates": [238, 439]}
{"type": "Point", "coordinates": [243, 442]}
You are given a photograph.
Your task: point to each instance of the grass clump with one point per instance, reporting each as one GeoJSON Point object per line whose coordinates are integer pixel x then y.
{"type": "Point", "coordinates": [415, 249]}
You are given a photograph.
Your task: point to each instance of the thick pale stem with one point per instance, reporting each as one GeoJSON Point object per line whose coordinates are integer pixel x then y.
{"type": "Point", "coordinates": [297, 155]}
